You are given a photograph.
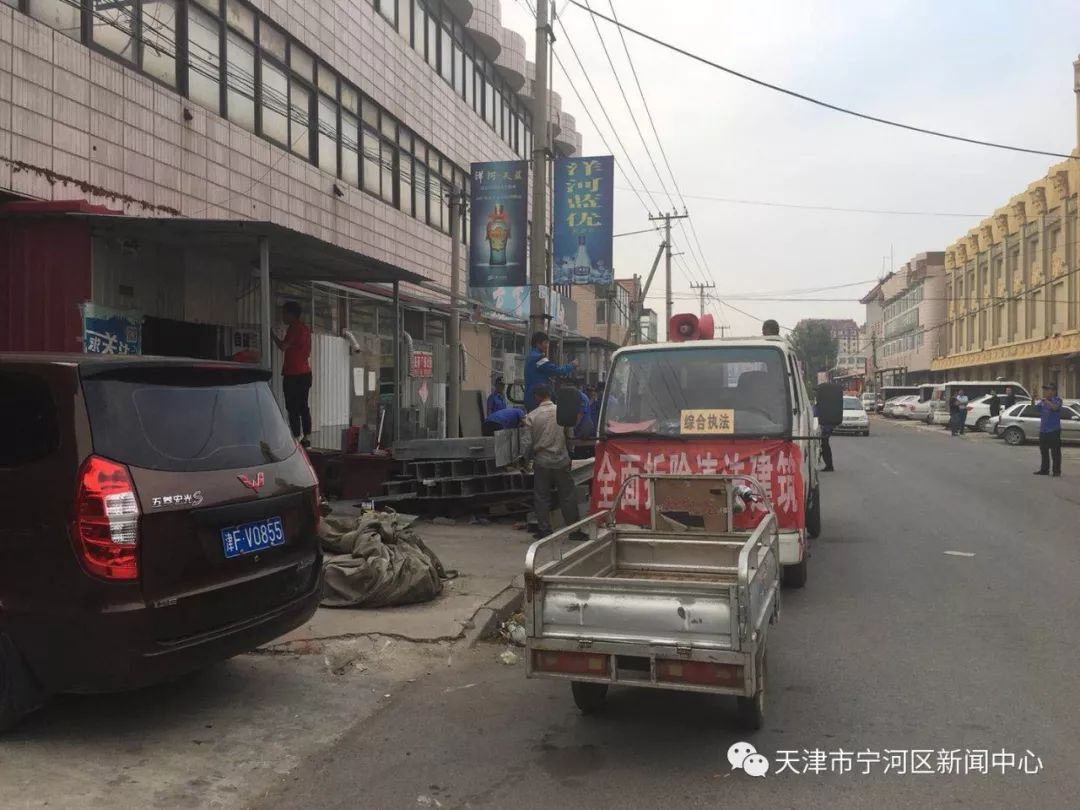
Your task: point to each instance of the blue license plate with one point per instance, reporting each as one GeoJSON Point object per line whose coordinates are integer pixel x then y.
{"type": "Point", "coordinates": [251, 537]}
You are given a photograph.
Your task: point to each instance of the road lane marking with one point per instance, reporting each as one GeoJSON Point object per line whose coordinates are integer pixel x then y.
{"type": "Point", "coordinates": [960, 553]}
{"type": "Point", "coordinates": [890, 468]}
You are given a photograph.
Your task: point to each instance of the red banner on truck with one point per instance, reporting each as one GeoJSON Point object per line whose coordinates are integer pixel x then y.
{"type": "Point", "coordinates": [776, 463]}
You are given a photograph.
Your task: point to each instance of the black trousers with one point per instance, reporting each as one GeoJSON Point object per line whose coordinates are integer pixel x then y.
{"type": "Point", "coordinates": [1050, 450]}
{"type": "Point", "coordinates": [826, 449]}
{"type": "Point", "coordinates": [489, 428]}
{"type": "Point", "coordinates": [296, 388]}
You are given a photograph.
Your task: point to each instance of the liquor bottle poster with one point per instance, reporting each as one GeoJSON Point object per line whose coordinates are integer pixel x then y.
{"type": "Point", "coordinates": [499, 238]}
{"type": "Point", "coordinates": [584, 214]}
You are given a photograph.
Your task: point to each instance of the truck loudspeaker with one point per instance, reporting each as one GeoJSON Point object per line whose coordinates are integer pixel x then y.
{"type": "Point", "coordinates": [688, 326]}
{"type": "Point", "coordinates": [830, 404]}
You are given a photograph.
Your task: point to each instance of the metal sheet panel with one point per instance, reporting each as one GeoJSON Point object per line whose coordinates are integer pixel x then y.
{"type": "Point", "coordinates": [329, 398]}
{"type": "Point", "coordinates": [44, 277]}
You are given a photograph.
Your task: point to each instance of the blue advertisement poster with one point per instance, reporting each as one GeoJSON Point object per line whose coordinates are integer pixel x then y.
{"type": "Point", "coordinates": [584, 214]}
{"type": "Point", "coordinates": [498, 243]}
{"type": "Point", "coordinates": [111, 331]}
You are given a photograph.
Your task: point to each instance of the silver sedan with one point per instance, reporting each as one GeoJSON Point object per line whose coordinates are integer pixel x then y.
{"type": "Point", "coordinates": [1020, 424]}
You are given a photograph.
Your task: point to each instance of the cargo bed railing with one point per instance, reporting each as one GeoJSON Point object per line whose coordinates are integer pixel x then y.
{"type": "Point", "coordinates": [757, 545]}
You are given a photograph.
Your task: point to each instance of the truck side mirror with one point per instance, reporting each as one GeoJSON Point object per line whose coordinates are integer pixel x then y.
{"type": "Point", "coordinates": [830, 404]}
{"type": "Point", "coordinates": [567, 404]}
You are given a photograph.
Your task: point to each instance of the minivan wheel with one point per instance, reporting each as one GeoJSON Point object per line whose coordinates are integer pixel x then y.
{"type": "Point", "coordinates": [19, 695]}
{"type": "Point", "coordinates": [1014, 436]}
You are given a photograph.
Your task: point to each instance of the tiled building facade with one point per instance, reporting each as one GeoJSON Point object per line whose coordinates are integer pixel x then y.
{"type": "Point", "coordinates": [348, 120]}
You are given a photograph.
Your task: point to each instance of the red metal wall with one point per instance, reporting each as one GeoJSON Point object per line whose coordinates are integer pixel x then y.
{"type": "Point", "coordinates": [45, 263]}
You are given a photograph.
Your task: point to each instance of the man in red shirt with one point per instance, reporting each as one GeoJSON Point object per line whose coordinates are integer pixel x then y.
{"type": "Point", "coordinates": [296, 371]}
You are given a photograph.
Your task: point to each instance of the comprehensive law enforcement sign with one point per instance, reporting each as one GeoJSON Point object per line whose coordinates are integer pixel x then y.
{"type": "Point", "coordinates": [584, 213]}
{"type": "Point", "coordinates": [498, 238]}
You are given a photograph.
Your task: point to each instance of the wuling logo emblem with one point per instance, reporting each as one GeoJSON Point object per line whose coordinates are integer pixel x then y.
{"type": "Point", "coordinates": [255, 485]}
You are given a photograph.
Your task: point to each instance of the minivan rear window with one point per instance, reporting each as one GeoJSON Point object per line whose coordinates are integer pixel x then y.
{"type": "Point", "coordinates": [196, 424]}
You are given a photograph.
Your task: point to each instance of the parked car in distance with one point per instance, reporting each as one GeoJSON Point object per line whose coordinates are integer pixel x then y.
{"type": "Point", "coordinates": [167, 520]}
{"type": "Point", "coordinates": [973, 389]}
{"type": "Point", "coordinates": [900, 407]}
{"type": "Point", "coordinates": [856, 422]}
{"type": "Point", "coordinates": [920, 411]}
{"type": "Point", "coordinates": [868, 401]}
{"type": "Point", "coordinates": [1020, 424]}
{"type": "Point", "coordinates": [978, 412]}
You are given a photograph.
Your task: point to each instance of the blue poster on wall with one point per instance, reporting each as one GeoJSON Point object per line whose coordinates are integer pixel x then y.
{"type": "Point", "coordinates": [584, 215]}
{"type": "Point", "coordinates": [111, 331]}
{"type": "Point", "coordinates": [499, 235]}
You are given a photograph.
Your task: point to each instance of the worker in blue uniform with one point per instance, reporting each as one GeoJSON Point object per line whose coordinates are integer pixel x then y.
{"type": "Point", "coordinates": [541, 371]}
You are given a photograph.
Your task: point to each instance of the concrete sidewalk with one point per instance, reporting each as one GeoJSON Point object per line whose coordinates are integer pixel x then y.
{"type": "Point", "coordinates": [489, 560]}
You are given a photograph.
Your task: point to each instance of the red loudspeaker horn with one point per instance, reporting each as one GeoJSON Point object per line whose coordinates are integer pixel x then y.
{"type": "Point", "coordinates": [683, 327]}
{"type": "Point", "coordinates": [706, 327]}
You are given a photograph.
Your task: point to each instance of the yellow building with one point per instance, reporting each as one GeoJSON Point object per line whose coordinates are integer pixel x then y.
{"type": "Point", "coordinates": [1013, 287]}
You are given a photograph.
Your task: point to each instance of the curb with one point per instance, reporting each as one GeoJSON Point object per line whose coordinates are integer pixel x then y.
{"type": "Point", "coordinates": [498, 609]}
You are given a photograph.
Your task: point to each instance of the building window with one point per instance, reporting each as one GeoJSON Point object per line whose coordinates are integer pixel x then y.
{"type": "Point", "coordinates": [350, 148]}
{"type": "Point", "coordinates": [328, 135]}
{"type": "Point", "coordinates": [159, 43]}
{"type": "Point", "coordinates": [62, 15]}
{"type": "Point", "coordinates": [274, 97]}
{"type": "Point", "coordinates": [113, 28]}
{"type": "Point", "coordinates": [204, 59]}
{"type": "Point", "coordinates": [299, 119]}
{"type": "Point", "coordinates": [240, 71]}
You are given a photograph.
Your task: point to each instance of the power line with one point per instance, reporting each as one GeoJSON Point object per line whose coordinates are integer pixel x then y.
{"type": "Point", "coordinates": [811, 99]}
{"type": "Point", "coordinates": [659, 142]}
{"type": "Point", "coordinates": [838, 209]}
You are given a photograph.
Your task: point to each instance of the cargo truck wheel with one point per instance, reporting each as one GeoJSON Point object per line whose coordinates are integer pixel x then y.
{"type": "Point", "coordinates": [589, 697]}
{"type": "Point", "coordinates": [751, 710]}
{"type": "Point", "coordinates": [813, 513]}
{"type": "Point", "coordinates": [794, 576]}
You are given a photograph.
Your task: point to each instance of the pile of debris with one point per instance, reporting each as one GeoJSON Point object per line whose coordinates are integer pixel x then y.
{"type": "Point", "coordinates": [377, 560]}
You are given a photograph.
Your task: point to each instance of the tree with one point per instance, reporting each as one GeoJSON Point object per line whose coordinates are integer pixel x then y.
{"type": "Point", "coordinates": [816, 347]}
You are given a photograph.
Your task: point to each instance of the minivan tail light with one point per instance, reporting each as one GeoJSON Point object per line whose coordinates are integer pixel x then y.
{"type": "Point", "coordinates": [316, 511]}
{"type": "Point", "coordinates": [106, 522]}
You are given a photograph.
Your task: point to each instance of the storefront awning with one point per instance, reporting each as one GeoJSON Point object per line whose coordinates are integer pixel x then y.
{"type": "Point", "coordinates": [294, 256]}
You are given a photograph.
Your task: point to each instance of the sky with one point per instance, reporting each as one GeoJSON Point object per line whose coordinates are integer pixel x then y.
{"type": "Point", "coordinates": [996, 71]}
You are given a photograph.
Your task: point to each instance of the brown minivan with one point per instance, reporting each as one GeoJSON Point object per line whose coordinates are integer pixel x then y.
{"type": "Point", "coordinates": [156, 516]}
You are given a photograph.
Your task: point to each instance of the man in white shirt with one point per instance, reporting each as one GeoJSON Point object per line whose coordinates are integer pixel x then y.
{"type": "Point", "coordinates": [544, 442]}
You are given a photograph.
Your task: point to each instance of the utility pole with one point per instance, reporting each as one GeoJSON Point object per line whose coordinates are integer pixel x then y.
{"type": "Point", "coordinates": [667, 242]}
{"type": "Point", "coordinates": [540, 132]}
{"type": "Point", "coordinates": [634, 329]}
{"type": "Point", "coordinates": [723, 331]}
{"type": "Point", "coordinates": [453, 397]}
{"type": "Point", "coordinates": [701, 288]}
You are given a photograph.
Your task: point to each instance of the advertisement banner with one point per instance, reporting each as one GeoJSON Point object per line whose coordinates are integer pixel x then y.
{"type": "Point", "coordinates": [514, 302]}
{"type": "Point", "coordinates": [584, 214]}
{"type": "Point", "coordinates": [776, 463]}
{"type": "Point", "coordinates": [111, 331]}
{"type": "Point", "coordinates": [499, 235]}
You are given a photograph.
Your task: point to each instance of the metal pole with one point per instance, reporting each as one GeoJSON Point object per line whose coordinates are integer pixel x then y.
{"type": "Point", "coordinates": [540, 130]}
{"type": "Point", "coordinates": [701, 288]}
{"type": "Point", "coordinates": [1076, 89]}
{"type": "Point", "coordinates": [635, 328]}
{"type": "Point", "coordinates": [264, 302]}
{"type": "Point", "coordinates": [453, 398]}
{"type": "Point", "coordinates": [667, 264]}
{"type": "Point", "coordinates": [397, 361]}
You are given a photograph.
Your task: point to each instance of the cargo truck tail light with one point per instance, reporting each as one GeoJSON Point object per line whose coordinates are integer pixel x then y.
{"type": "Point", "coordinates": [316, 513]}
{"type": "Point", "coordinates": [107, 520]}
{"type": "Point", "coordinates": [574, 663]}
{"type": "Point", "coordinates": [699, 672]}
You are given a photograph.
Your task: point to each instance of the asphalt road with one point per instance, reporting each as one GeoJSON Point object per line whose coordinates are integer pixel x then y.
{"type": "Point", "coordinates": [893, 645]}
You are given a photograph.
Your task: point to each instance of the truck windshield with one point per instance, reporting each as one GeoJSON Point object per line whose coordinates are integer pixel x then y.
{"type": "Point", "coordinates": [694, 391]}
